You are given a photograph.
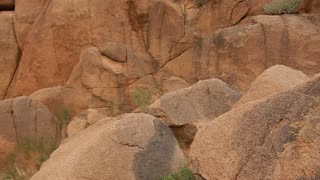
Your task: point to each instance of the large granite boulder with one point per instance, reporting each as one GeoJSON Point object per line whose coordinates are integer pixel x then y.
{"type": "Point", "coordinates": [203, 101]}
{"type": "Point", "coordinates": [276, 79]}
{"type": "Point", "coordinates": [132, 146]}
{"type": "Point", "coordinates": [272, 138]}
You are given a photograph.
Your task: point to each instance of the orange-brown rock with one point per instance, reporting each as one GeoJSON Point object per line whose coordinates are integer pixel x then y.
{"type": "Point", "coordinates": [235, 55]}
{"type": "Point", "coordinates": [132, 146]}
{"type": "Point", "coordinates": [275, 79]}
{"type": "Point", "coordinates": [25, 13]}
{"type": "Point", "coordinates": [162, 29]}
{"type": "Point", "coordinates": [97, 79]}
{"type": "Point", "coordinates": [311, 6]}
{"type": "Point", "coordinates": [272, 138]}
{"type": "Point", "coordinates": [182, 46]}
{"type": "Point", "coordinates": [85, 119]}
{"type": "Point", "coordinates": [59, 34]}
{"type": "Point", "coordinates": [9, 52]}
{"type": "Point", "coordinates": [289, 45]}
{"type": "Point", "coordinates": [214, 15]}
{"type": "Point", "coordinates": [257, 6]}
{"type": "Point", "coordinates": [238, 54]}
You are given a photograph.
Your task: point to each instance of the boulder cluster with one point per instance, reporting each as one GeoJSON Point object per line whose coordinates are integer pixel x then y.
{"type": "Point", "coordinates": [138, 89]}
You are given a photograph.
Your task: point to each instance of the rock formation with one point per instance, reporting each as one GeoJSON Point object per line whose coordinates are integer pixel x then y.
{"type": "Point", "coordinates": [272, 81]}
{"type": "Point", "coordinates": [69, 70]}
{"type": "Point", "coordinates": [272, 138]}
{"type": "Point", "coordinates": [9, 52]}
{"type": "Point", "coordinates": [203, 101]}
{"type": "Point", "coordinates": [22, 119]}
{"type": "Point", "coordinates": [120, 148]}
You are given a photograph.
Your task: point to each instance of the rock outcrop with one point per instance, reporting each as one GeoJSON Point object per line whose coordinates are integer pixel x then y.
{"type": "Point", "coordinates": [86, 119]}
{"type": "Point", "coordinates": [99, 80]}
{"type": "Point", "coordinates": [156, 40]}
{"type": "Point", "coordinates": [22, 119]}
{"type": "Point", "coordinates": [191, 59]}
{"type": "Point", "coordinates": [9, 52]}
{"type": "Point", "coordinates": [239, 54]}
{"type": "Point", "coordinates": [203, 101]}
{"type": "Point", "coordinates": [120, 148]}
{"type": "Point", "coordinates": [272, 138]}
{"type": "Point", "coordinates": [25, 14]}
{"type": "Point", "coordinates": [276, 79]}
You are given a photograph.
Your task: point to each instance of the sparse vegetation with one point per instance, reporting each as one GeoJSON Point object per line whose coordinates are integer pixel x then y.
{"type": "Point", "coordinates": [27, 158]}
{"type": "Point", "coordinates": [200, 3]}
{"type": "Point", "coordinates": [141, 97]}
{"type": "Point", "coordinates": [112, 105]}
{"type": "Point", "coordinates": [63, 115]}
{"type": "Point", "coordinates": [277, 7]}
{"type": "Point", "coordinates": [36, 149]}
{"type": "Point", "coordinates": [183, 174]}
{"type": "Point", "coordinates": [12, 174]}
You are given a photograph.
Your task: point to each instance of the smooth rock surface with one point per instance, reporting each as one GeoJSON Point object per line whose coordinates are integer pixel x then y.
{"type": "Point", "coordinates": [85, 119]}
{"type": "Point", "coordinates": [203, 101]}
{"type": "Point", "coordinates": [276, 79]}
{"type": "Point", "coordinates": [120, 148]}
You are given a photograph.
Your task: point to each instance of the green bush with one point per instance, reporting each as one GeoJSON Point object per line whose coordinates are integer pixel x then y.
{"type": "Point", "coordinates": [141, 97]}
{"type": "Point", "coordinates": [277, 7]}
{"type": "Point", "coordinates": [183, 174]}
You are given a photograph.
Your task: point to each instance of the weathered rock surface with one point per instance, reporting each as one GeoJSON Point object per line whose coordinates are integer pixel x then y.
{"type": "Point", "coordinates": [203, 101]}
{"type": "Point", "coordinates": [239, 54]}
{"type": "Point", "coordinates": [289, 45]}
{"type": "Point", "coordinates": [272, 81]}
{"type": "Point", "coordinates": [22, 119]}
{"type": "Point", "coordinates": [165, 34]}
{"type": "Point", "coordinates": [9, 52]}
{"type": "Point", "coordinates": [51, 97]}
{"type": "Point", "coordinates": [173, 83]}
{"type": "Point", "coordinates": [66, 28]}
{"type": "Point", "coordinates": [86, 119]}
{"type": "Point", "coordinates": [273, 138]}
{"type": "Point", "coordinates": [235, 55]}
{"type": "Point", "coordinates": [98, 80]}
{"type": "Point", "coordinates": [123, 149]}
{"type": "Point", "coordinates": [25, 13]}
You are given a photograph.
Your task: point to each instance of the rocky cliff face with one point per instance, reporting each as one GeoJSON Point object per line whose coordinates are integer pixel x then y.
{"type": "Point", "coordinates": [192, 60]}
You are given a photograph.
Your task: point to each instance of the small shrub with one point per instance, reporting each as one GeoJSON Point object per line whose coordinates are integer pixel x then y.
{"type": "Point", "coordinates": [63, 115]}
{"type": "Point", "coordinates": [27, 158]}
{"type": "Point", "coordinates": [141, 97]}
{"type": "Point", "coordinates": [183, 174]}
{"type": "Point", "coordinates": [12, 174]}
{"type": "Point", "coordinates": [277, 7]}
{"type": "Point", "coordinates": [200, 3]}
{"type": "Point", "coordinates": [10, 159]}
{"type": "Point", "coordinates": [36, 149]}
{"type": "Point", "coordinates": [113, 107]}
